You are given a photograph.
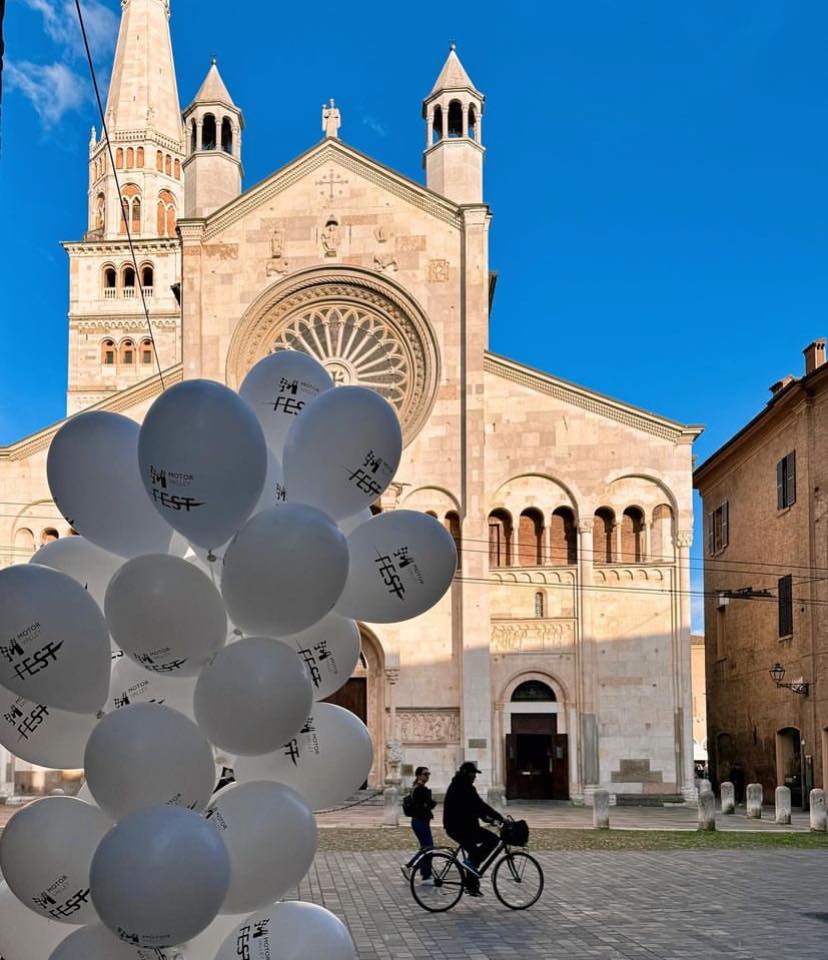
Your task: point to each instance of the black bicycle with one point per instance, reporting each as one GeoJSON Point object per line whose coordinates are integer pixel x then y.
{"type": "Point", "coordinates": [517, 877]}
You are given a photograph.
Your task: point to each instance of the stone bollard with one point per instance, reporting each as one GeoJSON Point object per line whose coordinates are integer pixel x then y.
{"type": "Point", "coordinates": [392, 807]}
{"type": "Point", "coordinates": [600, 809]}
{"type": "Point", "coordinates": [728, 792]}
{"type": "Point", "coordinates": [819, 817]}
{"type": "Point", "coordinates": [496, 797]}
{"type": "Point", "coordinates": [707, 810]}
{"type": "Point", "coordinates": [754, 801]}
{"type": "Point", "coordinates": [783, 805]}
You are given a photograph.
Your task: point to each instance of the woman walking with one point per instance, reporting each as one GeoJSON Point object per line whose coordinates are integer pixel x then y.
{"type": "Point", "coordinates": [421, 804]}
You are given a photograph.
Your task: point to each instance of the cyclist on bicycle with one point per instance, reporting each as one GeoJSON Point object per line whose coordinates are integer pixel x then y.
{"type": "Point", "coordinates": [462, 811]}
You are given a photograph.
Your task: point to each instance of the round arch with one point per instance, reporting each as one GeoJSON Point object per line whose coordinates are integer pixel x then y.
{"type": "Point", "coordinates": [653, 476]}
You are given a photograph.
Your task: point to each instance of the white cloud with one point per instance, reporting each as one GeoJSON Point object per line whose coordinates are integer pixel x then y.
{"type": "Point", "coordinates": [56, 88]}
{"type": "Point", "coordinates": [52, 88]}
{"type": "Point", "coordinates": [373, 124]}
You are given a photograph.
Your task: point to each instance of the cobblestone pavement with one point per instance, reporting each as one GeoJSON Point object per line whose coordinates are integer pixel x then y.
{"type": "Point", "coordinates": [733, 905]}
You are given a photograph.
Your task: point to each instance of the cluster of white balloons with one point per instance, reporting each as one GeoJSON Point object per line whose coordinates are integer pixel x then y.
{"type": "Point", "coordinates": [226, 551]}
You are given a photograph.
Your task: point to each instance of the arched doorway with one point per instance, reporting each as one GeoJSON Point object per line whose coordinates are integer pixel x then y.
{"type": "Point", "coordinates": [789, 763]}
{"type": "Point", "coordinates": [536, 750]}
{"type": "Point", "coordinates": [364, 695]}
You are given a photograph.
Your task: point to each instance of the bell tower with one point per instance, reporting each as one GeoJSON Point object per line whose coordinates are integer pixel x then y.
{"type": "Point", "coordinates": [212, 128]}
{"type": "Point", "coordinates": [453, 157]}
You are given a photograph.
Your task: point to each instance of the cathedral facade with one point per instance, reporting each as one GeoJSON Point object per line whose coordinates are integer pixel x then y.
{"type": "Point", "coordinates": [560, 658]}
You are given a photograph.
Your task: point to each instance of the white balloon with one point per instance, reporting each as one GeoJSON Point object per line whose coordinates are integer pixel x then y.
{"type": "Point", "coordinates": [81, 560]}
{"type": "Point", "coordinates": [92, 468]}
{"type": "Point", "coordinates": [330, 651]}
{"type": "Point", "coordinates": [23, 934]}
{"type": "Point", "coordinates": [402, 563]}
{"type": "Point", "coordinates": [279, 388]}
{"type": "Point", "coordinates": [270, 834]}
{"type": "Point", "coordinates": [148, 754]}
{"type": "Point", "coordinates": [133, 684]}
{"type": "Point", "coordinates": [290, 931]}
{"type": "Point", "coordinates": [45, 853]}
{"type": "Point", "coordinates": [54, 645]}
{"type": "Point", "coordinates": [343, 452]}
{"type": "Point", "coordinates": [98, 943]}
{"type": "Point", "coordinates": [348, 524]}
{"type": "Point", "coordinates": [326, 761]}
{"type": "Point", "coordinates": [203, 460]}
{"type": "Point", "coordinates": [159, 876]}
{"type": "Point", "coordinates": [43, 735]}
{"type": "Point", "coordinates": [284, 570]}
{"type": "Point", "coordinates": [252, 696]}
{"type": "Point", "coordinates": [207, 943]}
{"type": "Point", "coordinates": [165, 614]}
{"type": "Point", "coordinates": [273, 491]}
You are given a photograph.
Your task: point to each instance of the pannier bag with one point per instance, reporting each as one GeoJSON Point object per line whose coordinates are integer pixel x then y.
{"type": "Point", "coordinates": [515, 833]}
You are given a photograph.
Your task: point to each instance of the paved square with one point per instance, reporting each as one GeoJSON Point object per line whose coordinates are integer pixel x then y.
{"type": "Point", "coordinates": [739, 905]}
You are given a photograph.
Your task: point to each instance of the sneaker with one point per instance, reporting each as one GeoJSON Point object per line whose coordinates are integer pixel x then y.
{"type": "Point", "coordinates": [406, 872]}
{"type": "Point", "coordinates": [471, 868]}
{"type": "Point", "coordinates": [427, 882]}
{"type": "Point", "coordinates": [474, 892]}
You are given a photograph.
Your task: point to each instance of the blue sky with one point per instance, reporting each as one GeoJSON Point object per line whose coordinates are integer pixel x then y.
{"type": "Point", "coordinates": [657, 172]}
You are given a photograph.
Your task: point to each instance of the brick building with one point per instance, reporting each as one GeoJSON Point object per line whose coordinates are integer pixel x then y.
{"type": "Point", "coordinates": [765, 495]}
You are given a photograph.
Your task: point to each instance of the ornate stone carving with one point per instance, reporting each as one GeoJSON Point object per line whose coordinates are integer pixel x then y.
{"type": "Point", "coordinates": [332, 185]}
{"type": "Point", "coordinates": [684, 538]}
{"type": "Point", "coordinates": [380, 234]}
{"type": "Point", "coordinates": [360, 327]}
{"type": "Point", "coordinates": [384, 261]}
{"type": "Point", "coordinates": [438, 271]}
{"type": "Point", "coordinates": [330, 237]}
{"type": "Point", "coordinates": [278, 262]}
{"type": "Point", "coordinates": [586, 525]}
{"type": "Point", "coordinates": [532, 636]}
{"type": "Point", "coordinates": [429, 726]}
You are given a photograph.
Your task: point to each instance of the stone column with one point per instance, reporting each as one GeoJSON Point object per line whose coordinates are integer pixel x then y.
{"type": "Point", "coordinates": [199, 141]}
{"type": "Point", "coordinates": [648, 545]}
{"type": "Point", "coordinates": [237, 141]}
{"type": "Point", "coordinates": [586, 662]}
{"type": "Point", "coordinates": [444, 114]}
{"type": "Point", "coordinates": [754, 801]}
{"type": "Point", "coordinates": [728, 795]}
{"type": "Point", "coordinates": [783, 805]}
{"type": "Point", "coordinates": [617, 531]}
{"type": "Point", "coordinates": [6, 775]}
{"type": "Point", "coordinates": [392, 743]}
{"type": "Point", "coordinates": [498, 740]}
{"type": "Point", "coordinates": [191, 307]}
{"type": "Point", "coordinates": [465, 121]}
{"type": "Point", "coordinates": [601, 809]}
{"type": "Point", "coordinates": [819, 818]}
{"type": "Point", "coordinates": [707, 809]}
{"type": "Point", "coordinates": [429, 126]}
{"type": "Point", "coordinates": [683, 712]}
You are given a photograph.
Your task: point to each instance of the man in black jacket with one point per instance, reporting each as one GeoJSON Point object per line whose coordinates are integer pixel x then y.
{"type": "Point", "coordinates": [462, 811]}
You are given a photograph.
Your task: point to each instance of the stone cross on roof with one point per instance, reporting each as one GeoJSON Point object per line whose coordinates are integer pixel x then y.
{"type": "Point", "coordinates": [330, 119]}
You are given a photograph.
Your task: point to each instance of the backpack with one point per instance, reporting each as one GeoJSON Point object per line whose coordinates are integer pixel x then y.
{"type": "Point", "coordinates": [408, 805]}
{"type": "Point", "coordinates": [515, 833]}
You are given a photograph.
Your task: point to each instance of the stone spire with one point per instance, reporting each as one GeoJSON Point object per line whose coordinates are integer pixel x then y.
{"type": "Point", "coordinates": [143, 92]}
{"type": "Point", "coordinates": [213, 90]}
{"type": "Point", "coordinates": [453, 76]}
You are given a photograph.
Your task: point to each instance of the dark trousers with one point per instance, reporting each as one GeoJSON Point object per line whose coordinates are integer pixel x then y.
{"type": "Point", "coordinates": [477, 842]}
{"type": "Point", "coordinates": [422, 829]}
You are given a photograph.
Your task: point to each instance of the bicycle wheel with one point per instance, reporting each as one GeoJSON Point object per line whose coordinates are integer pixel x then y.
{"type": "Point", "coordinates": [517, 880]}
{"type": "Point", "coordinates": [445, 885]}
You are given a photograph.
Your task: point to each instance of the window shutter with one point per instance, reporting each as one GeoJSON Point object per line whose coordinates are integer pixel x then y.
{"type": "Point", "coordinates": [725, 523]}
{"type": "Point", "coordinates": [785, 592]}
{"type": "Point", "coordinates": [790, 479]}
{"type": "Point", "coordinates": [709, 520]}
{"type": "Point", "coordinates": [780, 484]}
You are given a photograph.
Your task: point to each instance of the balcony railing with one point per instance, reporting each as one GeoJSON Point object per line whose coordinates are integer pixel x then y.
{"type": "Point", "coordinates": [110, 293]}
{"type": "Point", "coordinates": [129, 293]}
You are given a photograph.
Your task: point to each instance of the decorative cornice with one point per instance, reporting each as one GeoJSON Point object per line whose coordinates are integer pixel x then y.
{"type": "Point", "coordinates": [101, 322]}
{"type": "Point", "coordinates": [99, 248]}
{"type": "Point", "coordinates": [596, 403]}
{"type": "Point", "coordinates": [117, 402]}
{"type": "Point", "coordinates": [324, 152]}
{"type": "Point", "coordinates": [148, 133]}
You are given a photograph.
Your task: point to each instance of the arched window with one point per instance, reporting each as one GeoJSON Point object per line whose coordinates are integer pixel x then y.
{"type": "Point", "coordinates": [437, 125]}
{"type": "Point", "coordinates": [208, 132]}
{"type": "Point", "coordinates": [452, 524]}
{"type": "Point", "coordinates": [127, 352]}
{"type": "Point", "coordinates": [147, 277]}
{"type": "Point", "coordinates": [539, 605]}
{"type": "Point", "coordinates": [165, 224]}
{"type": "Point", "coordinates": [530, 538]}
{"type": "Point", "coordinates": [48, 534]}
{"type": "Point", "coordinates": [472, 122]}
{"type": "Point", "coordinates": [119, 158]}
{"type": "Point", "coordinates": [130, 158]}
{"type": "Point", "coordinates": [177, 169]}
{"type": "Point", "coordinates": [602, 536]}
{"type": "Point", "coordinates": [159, 161]}
{"type": "Point", "coordinates": [226, 135]}
{"type": "Point", "coordinates": [128, 282]}
{"type": "Point", "coordinates": [500, 538]}
{"type": "Point", "coordinates": [23, 542]}
{"type": "Point", "coordinates": [455, 119]}
{"type": "Point", "coordinates": [168, 165]}
{"type": "Point", "coordinates": [100, 212]}
{"type": "Point", "coordinates": [139, 157]}
{"type": "Point", "coordinates": [563, 537]}
{"type": "Point", "coordinates": [108, 353]}
{"type": "Point", "coordinates": [130, 197]}
{"type": "Point", "coordinates": [193, 137]}
{"type": "Point", "coordinates": [146, 351]}
{"type": "Point", "coordinates": [661, 535]}
{"type": "Point", "coordinates": [135, 226]}
{"type": "Point", "coordinates": [110, 282]}
{"type": "Point", "coordinates": [533, 690]}
{"type": "Point", "coordinates": [632, 536]}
